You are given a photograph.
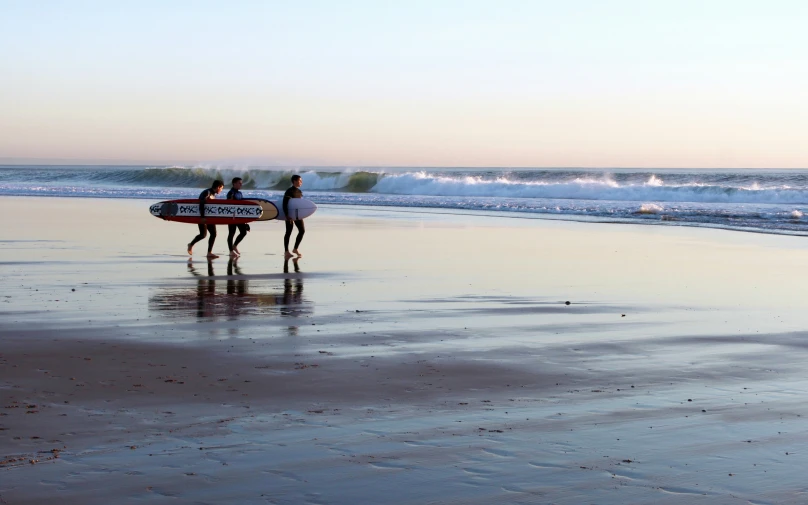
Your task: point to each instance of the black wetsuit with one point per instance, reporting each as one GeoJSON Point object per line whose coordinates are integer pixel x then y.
{"type": "Point", "coordinates": [235, 194]}
{"type": "Point", "coordinates": [205, 229]}
{"type": "Point", "coordinates": [292, 192]}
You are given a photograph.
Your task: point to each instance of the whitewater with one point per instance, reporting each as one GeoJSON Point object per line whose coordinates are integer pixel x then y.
{"type": "Point", "coordinates": [767, 201]}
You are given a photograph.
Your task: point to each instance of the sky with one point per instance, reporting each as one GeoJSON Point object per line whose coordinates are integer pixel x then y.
{"type": "Point", "coordinates": [579, 83]}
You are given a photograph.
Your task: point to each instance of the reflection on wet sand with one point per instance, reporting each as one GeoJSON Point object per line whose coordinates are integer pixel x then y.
{"type": "Point", "coordinates": [286, 265]}
{"type": "Point", "coordinates": [241, 296]}
{"type": "Point", "coordinates": [292, 294]}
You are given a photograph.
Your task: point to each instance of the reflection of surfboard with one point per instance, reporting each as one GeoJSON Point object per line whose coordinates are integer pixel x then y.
{"type": "Point", "coordinates": [270, 211]}
{"type": "Point", "coordinates": [216, 211]}
{"type": "Point", "coordinates": [299, 208]}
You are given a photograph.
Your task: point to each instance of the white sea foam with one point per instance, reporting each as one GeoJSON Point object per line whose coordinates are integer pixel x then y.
{"type": "Point", "coordinates": [650, 208]}
{"type": "Point", "coordinates": [588, 188]}
{"type": "Point", "coordinates": [654, 181]}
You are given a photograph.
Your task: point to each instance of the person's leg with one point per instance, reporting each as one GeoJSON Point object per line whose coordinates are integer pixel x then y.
{"type": "Point", "coordinates": [202, 234]}
{"type": "Point", "coordinates": [231, 232]}
{"type": "Point", "coordinates": [301, 230]}
{"type": "Point", "coordinates": [211, 240]}
{"type": "Point", "coordinates": [286, 237]}
{"type": "Point", "coordinates": [242, 232]}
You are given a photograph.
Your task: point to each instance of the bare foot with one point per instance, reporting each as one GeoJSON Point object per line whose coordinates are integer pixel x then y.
{"type": "Point", "coordinates": [287, 255]}
{"type": "Point", "coordinates": [190, 249]}
{"type": "Point", "coordinates": [212, 256]}
{"type": "Point", "coordinates": [238, 253]}
{"type": "Point", "coordinates": [299, 254]}
{"type": "Point", "coordinates": [234, 254]}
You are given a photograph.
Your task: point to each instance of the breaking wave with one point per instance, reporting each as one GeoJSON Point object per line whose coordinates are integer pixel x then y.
{"type": "Point", "coordinates": [629, 186]}
{"type": "Point", "coordinates": [762, 200]}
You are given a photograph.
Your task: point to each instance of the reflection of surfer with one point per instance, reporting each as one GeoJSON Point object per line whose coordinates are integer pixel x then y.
{"type": "Point", "coordinates": [293, 192]}
{"type": "Point", "coordinates": [235, 287]}
{"type": "Point", "coordinates": [292, 294]}
{"type": "Point", "coordinates": [286, 265]}
{"type": "Point", "coordinates": [232, 266]}
{"type": "Point", "coordinates": [193, 271]}
{"type": "Point", "coordinates": [235, 194]}
{"type": "Point", "coordinates": [209, 297]}
{"type": "Point", "coordinates": [205, 288]}
{"type": "Point", "coordinates": [292, 297]}
{"type": "Point", "coordinates": [204, 228]}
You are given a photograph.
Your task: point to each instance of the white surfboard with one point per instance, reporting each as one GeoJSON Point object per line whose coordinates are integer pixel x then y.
{"type": "Point", "coordinates": [299, 208]}
{"type": "Point", "coordinates": [216, 211]}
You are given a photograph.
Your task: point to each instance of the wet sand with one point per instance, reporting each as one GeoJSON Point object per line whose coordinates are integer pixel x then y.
{"type": "Point", "coordinates": [408, 357]}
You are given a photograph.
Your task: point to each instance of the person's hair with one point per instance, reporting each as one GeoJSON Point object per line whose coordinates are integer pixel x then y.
{"type": "Point", "coordinates": [235, 180]}
{"type": "Point", "coordinates": [295, 178]}
{"type": "Point", "coordinates": [217, 184]}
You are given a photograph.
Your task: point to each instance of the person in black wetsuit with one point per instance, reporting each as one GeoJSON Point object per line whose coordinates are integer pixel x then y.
{"type": "Point", "coordinates": [235, 194]}
{"type": "Point", "coordinates": [204, 228]}
{"type": "Point", "coordinates": [293, 192]}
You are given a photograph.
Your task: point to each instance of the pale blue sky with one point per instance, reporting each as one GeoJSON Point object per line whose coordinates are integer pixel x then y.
{"type": "Point", "coordinates": [464, 83]}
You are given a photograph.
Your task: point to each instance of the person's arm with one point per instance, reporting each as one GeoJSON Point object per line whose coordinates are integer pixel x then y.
{"type": "Point", "coordinates": [202, 198]}
{"type": "Point", "coordinates": [286, 198]}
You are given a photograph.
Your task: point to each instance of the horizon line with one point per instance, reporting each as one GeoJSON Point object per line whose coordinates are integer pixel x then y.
{"type": "Point", "coordinates": [68, 162]}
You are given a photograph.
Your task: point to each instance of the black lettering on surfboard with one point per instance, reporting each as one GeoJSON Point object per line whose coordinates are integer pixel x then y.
{"type": "Point", "coordinates": [243, 210]}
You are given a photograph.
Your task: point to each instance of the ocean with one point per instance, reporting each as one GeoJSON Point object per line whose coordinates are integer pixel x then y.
{"type": "Point", "coordinates": [763, 201]}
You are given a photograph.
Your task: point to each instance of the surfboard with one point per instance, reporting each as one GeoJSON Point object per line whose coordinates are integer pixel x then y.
{"type": "Point", "coordinates": [269, 208]}
{"type": "Point", "coordinates": [299, 208]}
{"type": "Point", "coordinates": [216, 211]}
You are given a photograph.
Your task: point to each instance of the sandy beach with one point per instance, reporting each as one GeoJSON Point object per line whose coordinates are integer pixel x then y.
{"type": "Point", "coordinates": [409, 357]}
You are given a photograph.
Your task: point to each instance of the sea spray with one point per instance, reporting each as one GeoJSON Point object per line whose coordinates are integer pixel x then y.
{"type": "Point", "coordinates": [650, 208]}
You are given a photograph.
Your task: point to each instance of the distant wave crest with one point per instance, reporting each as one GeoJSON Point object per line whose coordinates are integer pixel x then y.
{"type": "Point", "coordinates": [643, 187]}
{"type": "Point", "coordinates": [586, 188]}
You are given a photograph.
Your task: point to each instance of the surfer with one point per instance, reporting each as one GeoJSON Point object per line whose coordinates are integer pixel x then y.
{"type": "Point", "coordinates": [204, 228]}
{"type": "Point", "coordinates": [235, 194]}
{"type": "Point", "coordinates": [293, 192]}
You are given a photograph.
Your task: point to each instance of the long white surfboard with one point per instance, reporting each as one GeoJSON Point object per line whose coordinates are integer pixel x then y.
{"type": "Point", "coordinates": [299, 208]}
{"type": "Point", "coordinates": [216, 211]}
